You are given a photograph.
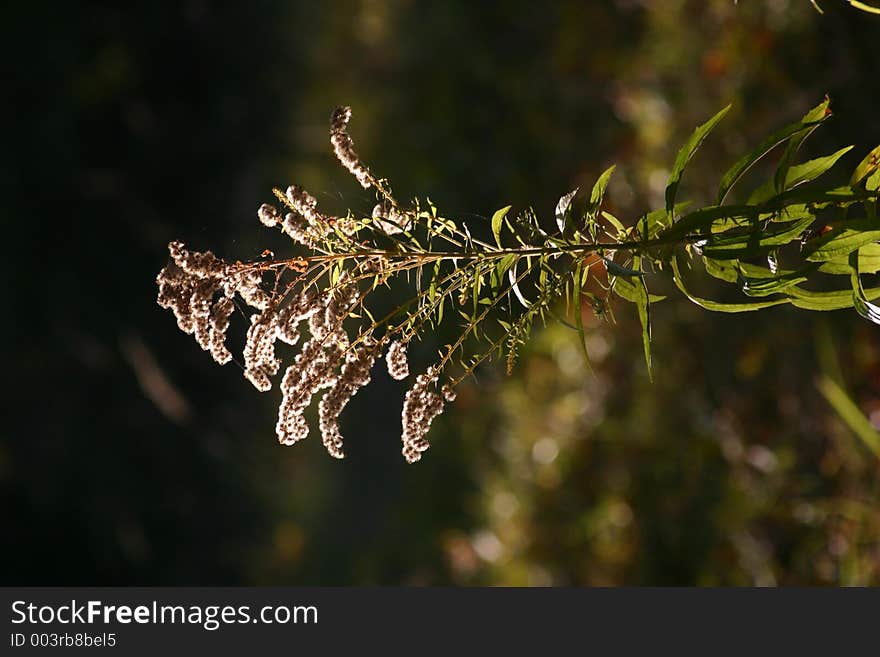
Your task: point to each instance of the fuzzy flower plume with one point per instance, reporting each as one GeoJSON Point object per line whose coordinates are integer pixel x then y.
{"type": "Point", "coordinates": [355, 374]}
{"type": "Point", "coordinates": [307, 321]}
{"type": "Point", "coordinates": [187, 287]}
{"type": "Point", "coordinates": [420, 406]}
{"type": "Point", "coordinates": [326, 361]}
{"type": "Point", "coordinates": [343, 146]}
{"type": "Point", "coordinates": [268, 215]}
{"type": "Point", "coordinates": [389, 218]}
{"type": "Point", "coordinates": [395, 359]}
{"type": "Point", "coordinates": [306, 224]}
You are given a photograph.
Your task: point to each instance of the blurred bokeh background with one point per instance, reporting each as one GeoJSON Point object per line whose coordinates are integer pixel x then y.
{"type": "Point", "coordinates": [128, 457]}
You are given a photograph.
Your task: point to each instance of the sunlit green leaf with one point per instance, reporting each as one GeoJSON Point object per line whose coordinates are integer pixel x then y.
{"type": "Point", "coordinates": [614, 221]}
{"type": "Point", "coordinates": [833, 300]}
{"type": "Point", "coordinates": [735, 172]}
{"type": "Point", "coordinates": [843, 239]}
{"type": "Point", "coordinates": [598, 192]}
{"type": "Point", "coordinates": [869, 261]}
{"type": "Point", "coordinates": [725, 270]}
{"type": "Point", "coordinates": [497, 218]}
{"type": "Point", "coordinates": [761, 282]}
{"type": "Point", "coordinates": [562, 208]}
{"type": "Point", "coordinates": [619, 270]}
{"type": "Point", "coordinates": [701, 220]}
{"type": "Point", "coordinates": [627, 291]}
{"type": "Point", "coordinates": [644, 307]}
{"type": "Point", "coordinates": [578, 313]}
{"type": "Point", "coordinates": [814, 116]}
{"type": "Point", "coordinates": [862, 304]}
{"type": "Point", "coordinates": [685, 154]}
{"type": "Point", "coordinates": [866, 167]}
{"type": "Point", "coordinates": [724, 246]}
{"type": "Point", "coordinates": [717, 306]}
{"type": "Point", "coordinates": [798, 175]}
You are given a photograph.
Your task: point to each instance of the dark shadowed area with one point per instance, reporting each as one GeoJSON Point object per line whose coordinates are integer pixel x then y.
{"type": "Point", "coordinates": [129, 457]}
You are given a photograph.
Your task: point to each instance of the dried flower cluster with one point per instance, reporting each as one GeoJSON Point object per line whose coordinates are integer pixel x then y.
{"type": "Point", "coordinates": [307, 291]}
{"type": "Point", "coordinates": [188, 287]}
{"type": "Point", "coordinates": [420, 406]}
{"type": "Point", "coordinates": [498, 290]}
{"type": "Point", "coordinates": [344, 147]}
{"type": "Point", "coordinates": [398, 365]}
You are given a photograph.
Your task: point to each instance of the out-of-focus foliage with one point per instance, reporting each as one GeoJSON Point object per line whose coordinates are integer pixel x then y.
{"type": "Point", "coordinates": [127, 459]}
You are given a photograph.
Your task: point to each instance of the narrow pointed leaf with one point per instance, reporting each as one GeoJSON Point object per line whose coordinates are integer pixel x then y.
{"type": "Point", "coordinates": [869, 262]}
{"type": "Point", "coordinates": [562, 207]}
{"type": "Point", "coordinates": [798, 175]}
{"type": "Point", "coordinates": [862, 304]}
{"type": "Point", "coordinates": [724, 270]}
{"type": "Point", "coordinates": [578, 314]}
{"type": "Point", "coordinates": [814, 116]}
{"type": "Point", "coordinates": [685, 155]}
{"type": "Point", "coordinates": [762, 286]}
{"type": "Point", "coordinates": [741, 245]}
{"type": "Point", "coordinates": [833, 300]}
{"type": "Point", "coordinates": [730, 178]}
{"type": "Point", "coordinates": [866, 167]}
{"type": "Point", "coordinates": [614, 221]}
{"type": "Point", "coordinates": [619, 270]}
{"type": "Point", "coordinates": [644, 307]}
{"type": "Point", "coordinates": [627, 290]}
{"type": "Point", "coordinates": [843, 239]}
{"type": "Point", "coordinates": [717, 306]}
{"type": "Point", "coordinates": [598, 192]}
{"type": "Point", "coordinates": [497, 218]}
{"type": "Point", "coordinates": [701, 220]}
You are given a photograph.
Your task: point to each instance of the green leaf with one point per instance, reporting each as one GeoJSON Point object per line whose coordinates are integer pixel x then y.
{"type": "Point", "coordinates": [644, 307]}
{"type": "Point", "coordinates": [812, 169]}
{"type": "Point", "coordinates": [627, 291]}
{"type": "Point", "coordinates": [614, 221]}
{"type": "Point", "coordinates": [726, 247]}
{"type": "Point", "coordinates": [833, 300]}
{"type": "Point", "coordinates": [618, 270]}
{"type": "Point", "coordinates": [869, 262]}
{"type": "Point", "coordinates": [497, 218]}
{"type": "Point", "coordinates": [862, 304]}
{"type": "Point", "coordinates": [702, 219]}
{"type": "Point", "coordinates": [657, 220]}
{"type": "Point", "coordinates": [685, 154]}
{"type": "Point", "coordinates": [578, 313]}
{"type": "Point", "coordinates": [725, 270]}
{"type": "Point", "coordinates": [817, 198]}
{"type": "Point", "coordinates": [562, 207]}
{"type": "Point", "coordinates": [730, 178]}
{"type": "Point", "coordinates": [798, 175]}
{"type": "Point", "coordinates": [843, 239]}
{"type": "Point", "coordinates": [715, 305]}
{"type": "Point", "coordinates": [766, 283]}
{"type": "Point", "coordinates": [814, 116]}
{"type": "Point", "coordinates": [598, 192]}
{"type": "Point", "coordinates": [595, 202]}
{"type": "Point", "coordinates": [866, 167]}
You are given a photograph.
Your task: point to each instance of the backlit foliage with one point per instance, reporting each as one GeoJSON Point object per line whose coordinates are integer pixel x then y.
{"type": "Point", "coordinates": [368, 287]}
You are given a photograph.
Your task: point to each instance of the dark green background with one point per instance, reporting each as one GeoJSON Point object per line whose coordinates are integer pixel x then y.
{"type": "Point", "coordinates": [128, 457]}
